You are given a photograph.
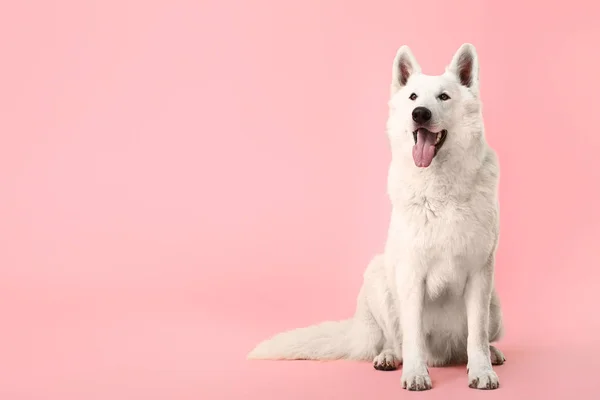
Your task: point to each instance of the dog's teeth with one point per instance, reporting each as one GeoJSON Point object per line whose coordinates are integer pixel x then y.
{"type": "Point", "coordinates": [439, 136]}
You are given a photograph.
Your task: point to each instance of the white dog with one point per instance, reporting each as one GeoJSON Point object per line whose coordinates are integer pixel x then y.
{"type": "Point", "coordinates": [429, 299]}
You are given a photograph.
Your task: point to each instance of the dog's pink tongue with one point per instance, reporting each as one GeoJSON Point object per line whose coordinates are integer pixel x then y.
{"type": "Point", "coordinates": [424, 150]}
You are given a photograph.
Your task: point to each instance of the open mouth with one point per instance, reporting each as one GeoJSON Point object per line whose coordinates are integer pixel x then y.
{"type": "Point", "coordinates": [426, 146]}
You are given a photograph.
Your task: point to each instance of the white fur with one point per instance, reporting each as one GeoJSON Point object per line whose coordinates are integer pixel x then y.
{"type": "Point", "coordinates": [429, 299]}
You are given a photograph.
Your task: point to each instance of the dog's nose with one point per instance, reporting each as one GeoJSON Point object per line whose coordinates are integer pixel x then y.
{"type": "Point", "coordinates": [421, 115]}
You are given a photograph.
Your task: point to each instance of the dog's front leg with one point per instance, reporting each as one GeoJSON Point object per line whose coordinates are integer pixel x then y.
{"type": "Point", "coordinates": [411, 290]}
{"type": "Point", "coordinates": [477, 297]}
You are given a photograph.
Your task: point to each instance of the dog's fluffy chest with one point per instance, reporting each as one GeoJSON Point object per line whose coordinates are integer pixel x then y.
{"type": "Point", "coordinates": [444, 227]}
{"type": "Point", "coordinates": [441, 241]}
{"type": "Point", "coordinates": [442, 236]}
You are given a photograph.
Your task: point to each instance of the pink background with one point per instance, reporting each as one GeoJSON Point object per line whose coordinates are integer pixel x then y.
{"type": "Point", "coordinates": [181, 179]}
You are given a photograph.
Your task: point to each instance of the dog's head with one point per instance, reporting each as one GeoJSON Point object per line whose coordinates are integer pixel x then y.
{"type": "Point", "coordinates": [431, 115]}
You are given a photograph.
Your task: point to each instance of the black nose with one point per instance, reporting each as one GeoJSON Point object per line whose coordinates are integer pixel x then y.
{"type": "Point", "coordinates": [421, 115]}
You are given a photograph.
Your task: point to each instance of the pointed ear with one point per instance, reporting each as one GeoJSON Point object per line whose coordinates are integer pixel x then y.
{"type": "Point", "coordinates": [465, 66]}
{"type": "Point", "coordinates": [405, 65]}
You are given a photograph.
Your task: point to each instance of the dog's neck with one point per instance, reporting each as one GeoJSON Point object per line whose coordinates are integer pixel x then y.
{"type": "Point", "coordinates": [448, 176]}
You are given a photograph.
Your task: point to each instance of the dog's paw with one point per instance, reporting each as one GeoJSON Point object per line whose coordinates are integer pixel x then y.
{"type": "Point", "coordinates": [386, 361]}
{"type": "Point", "coordinates": [416, 381]}
{"type": "Point", "coordinates": [496, 356]}
{"type": "Point", "coordinates": [485, 379]}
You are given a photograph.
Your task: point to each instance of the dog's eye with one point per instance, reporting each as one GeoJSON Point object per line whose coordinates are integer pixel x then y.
{"type": "Point", "coordinates": [413, 96]}
{"type": "Point", "coordinates": [443, 97]}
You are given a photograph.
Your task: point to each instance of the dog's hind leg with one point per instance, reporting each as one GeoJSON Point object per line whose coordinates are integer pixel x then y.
{"type": "Point", "coordinates": [496, 329]}
{"type": "Point", "coordinates": [387, 360]}
{"type": "Point", "coordinates": [366, 336]}
{"type": "Point", "coordinates": [496, 356]}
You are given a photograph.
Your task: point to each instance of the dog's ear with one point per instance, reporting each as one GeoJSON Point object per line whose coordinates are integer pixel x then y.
{"type": "Point", "coordinates": [466, 66]}
{"type": "Point", "coordinates": [405, 65]}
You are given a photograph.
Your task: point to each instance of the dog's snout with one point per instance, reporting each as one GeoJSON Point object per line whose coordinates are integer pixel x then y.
{"type": "Point", "coordinates": [421, 115]}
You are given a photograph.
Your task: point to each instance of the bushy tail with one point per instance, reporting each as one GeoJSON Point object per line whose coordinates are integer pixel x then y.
{"type": "Point", "coordinates": [326, 341]}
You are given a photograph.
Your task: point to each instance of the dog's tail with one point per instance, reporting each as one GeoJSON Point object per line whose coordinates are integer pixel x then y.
{"type": "Point", "coordinates": [331, 340]}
